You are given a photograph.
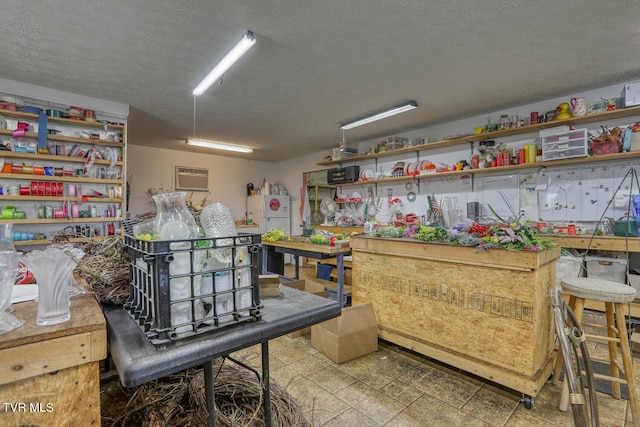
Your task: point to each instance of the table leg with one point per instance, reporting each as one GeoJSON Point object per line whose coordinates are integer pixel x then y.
{"type": "Point", "coordinates": [266, 389]}
{"type": "Point", "coordinates": [208, 389]}
{"type": "Point", "coordinates": [263, 251]}
{"type": "Point", "coordinates": [297, 261]}
{"type": "Point", "coordinates": [340, 267]}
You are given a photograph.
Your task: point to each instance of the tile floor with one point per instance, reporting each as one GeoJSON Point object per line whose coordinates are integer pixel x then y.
{"type": "Point", "coordinates": [394, 387]}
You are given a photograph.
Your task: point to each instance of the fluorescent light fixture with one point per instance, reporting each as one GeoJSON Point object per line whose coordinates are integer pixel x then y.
{"type": "Point", "coordinates": [219, 145]}
{"type": "Point", "coordinates": [380, 115]}
{"type": "Point", "coordinates": [238, 50]}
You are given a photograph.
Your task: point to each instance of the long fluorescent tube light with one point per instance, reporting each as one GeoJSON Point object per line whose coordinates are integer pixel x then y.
{"type": "Point", "coordinates": [219, 145]}
{"type": "Point", "coordinates": [381, 115]}
{"type": "Point", "coordinates": [238, 50]}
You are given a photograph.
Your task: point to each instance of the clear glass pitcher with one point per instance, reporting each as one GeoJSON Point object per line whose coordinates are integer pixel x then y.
{"type": "Point", "coordinates": [173, 219]}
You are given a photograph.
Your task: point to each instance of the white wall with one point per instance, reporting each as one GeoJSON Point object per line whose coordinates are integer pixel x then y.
{"type": "Point", "coordinates": [150, 167]}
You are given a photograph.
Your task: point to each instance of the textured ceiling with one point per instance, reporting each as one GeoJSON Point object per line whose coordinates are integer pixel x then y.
{"type": "Point", "coordinates": [316, 63]}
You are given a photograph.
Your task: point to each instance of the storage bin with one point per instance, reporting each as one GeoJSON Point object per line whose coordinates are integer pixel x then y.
{"type": "Point", "coordinates": [634, 281]}
{"type": "Point", "coordinates": [613, 269]}
{"type": "Point", "coordinates": [605, 147]}
{"type": "Point", "coordinates": [568, 266]}
{"type": "Point", "coordinates": [181, 288]}
{"type": "Point", "coordinates": [324, 271]}
{"type": "Point", "coordinates": [565, 145]}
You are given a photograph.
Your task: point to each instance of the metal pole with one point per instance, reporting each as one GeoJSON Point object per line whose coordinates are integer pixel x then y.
{"type": "Point", "coordinates": [208, 389]}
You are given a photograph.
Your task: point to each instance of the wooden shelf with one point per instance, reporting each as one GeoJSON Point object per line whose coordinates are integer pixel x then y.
{"type": "Point", "coordinates": [29, 116]}
{"type": "Point", "coordinates": [82, 179]}
{"type": "Point", "coordinates": [62, 138]}
{"type": "Point", "coordinates": [59, 199]}
{"type": "Point", "coordinates": [57, 221]}
{"type": "Point", "coordinates": [49, 241]}
{"type": "Point", "coordinates": [606, 243]}
{"type": "Point", "coordinates": [608, 115]}
{"type": "Point", "coordinates": [560, 162]}
{"type": "Point", "coordinates": [53, 158]}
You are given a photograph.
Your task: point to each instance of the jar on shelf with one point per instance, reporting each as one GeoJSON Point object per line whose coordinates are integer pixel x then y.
{"type": "Point", "coordinates": [504, 122]}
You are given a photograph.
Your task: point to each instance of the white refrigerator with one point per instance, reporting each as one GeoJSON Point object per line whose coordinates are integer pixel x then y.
{"type": "Point", "coordinates": [272, 212]}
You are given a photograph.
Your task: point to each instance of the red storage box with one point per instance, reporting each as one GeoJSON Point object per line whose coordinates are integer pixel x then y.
{"type": "Point", "coordinates": [605, 147]}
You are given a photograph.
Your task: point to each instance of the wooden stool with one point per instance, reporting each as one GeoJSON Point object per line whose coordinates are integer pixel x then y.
{"type": "Point", "coordinates": [614, 295]}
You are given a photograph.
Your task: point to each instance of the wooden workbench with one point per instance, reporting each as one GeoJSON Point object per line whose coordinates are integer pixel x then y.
{"type": "Point", "coordinates": [485, 312]}
{"type": "Point", "coordinates": [50, 375]}
{"type": "Point", "coordinates": [301, 247]}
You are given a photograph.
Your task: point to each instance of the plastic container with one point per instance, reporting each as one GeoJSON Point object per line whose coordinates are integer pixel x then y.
{"type": "Point", "coordinates": [568, 266]}
{"type": "Point", "coordinates": [565, 145]}
{"type": "Point", "coordinates": [612, 269]}
{"type": "Point", "coordinates": [177, 288]}
{"type": "Point", "coordinates": [324, 271]}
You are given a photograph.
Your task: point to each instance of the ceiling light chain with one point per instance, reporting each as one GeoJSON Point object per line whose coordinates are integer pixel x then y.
{"type": "Point", "coordinates": [194, 115]}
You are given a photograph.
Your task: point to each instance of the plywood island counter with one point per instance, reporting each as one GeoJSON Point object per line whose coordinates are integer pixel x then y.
{"type": "Point", "coordinates": [487, 312]}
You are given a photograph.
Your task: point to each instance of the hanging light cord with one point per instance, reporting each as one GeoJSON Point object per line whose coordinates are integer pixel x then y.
{"type": "Point", "coordinates": [194, 116]}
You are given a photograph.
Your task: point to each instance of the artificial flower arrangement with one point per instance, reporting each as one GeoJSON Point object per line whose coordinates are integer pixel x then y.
{"type": "Point", "coordinates": [511, 234]}
{"type": "Point", "coordinates": [514, 235]}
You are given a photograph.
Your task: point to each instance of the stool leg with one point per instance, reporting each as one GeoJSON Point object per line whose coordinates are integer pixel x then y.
{"type": "Point", "coordinates": [626, 363]}
{"type": "Point", "coordinates": [613, 347]}
{"type": "Point", "coordinates": [577, 305]}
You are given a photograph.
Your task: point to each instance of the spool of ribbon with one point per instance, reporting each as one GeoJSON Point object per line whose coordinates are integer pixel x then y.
{"type": "Point", "coordinates": [75, 211]}
{"type": "Point", "coordinates": [7, 212]}
{"type": "Point", "coordinates": [58, 213]}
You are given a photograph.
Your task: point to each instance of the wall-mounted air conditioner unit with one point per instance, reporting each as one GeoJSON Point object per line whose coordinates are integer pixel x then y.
{"type": "Point", "coordinates": [191, 179]}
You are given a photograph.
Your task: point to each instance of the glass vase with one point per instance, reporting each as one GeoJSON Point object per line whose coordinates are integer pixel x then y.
{"type": "Point", "coordinates": [173, 219]}
{"type": "Point", "coordinates": [53, 270]}
{"type": "Point", "coordinates": [9, 259]}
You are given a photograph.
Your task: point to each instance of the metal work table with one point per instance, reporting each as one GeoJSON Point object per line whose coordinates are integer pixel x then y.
{"type": "Point", "coordinates": [299, 248]}
{"type": "Point", "coordinates": [138, 361]}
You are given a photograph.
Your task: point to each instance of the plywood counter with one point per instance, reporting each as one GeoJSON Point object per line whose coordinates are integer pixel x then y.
{"type": "Point", "coordinates": [49, 375]}
{"type": "Point", "coordinates": [485, 312]}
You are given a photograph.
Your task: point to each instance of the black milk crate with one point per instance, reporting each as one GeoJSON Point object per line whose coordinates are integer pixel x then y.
{"type": "Point", "coordinates": [182, 288]}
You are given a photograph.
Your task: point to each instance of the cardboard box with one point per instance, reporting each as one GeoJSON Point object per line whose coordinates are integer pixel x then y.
{"type": "Point", "coordinates": [347, 275]}
{"type": "Point", "coordinates": [353, 334]}
{"type": "Point", "coordinates": [269, 285]}
{"type": "Point", "coordinates": [312, 288]}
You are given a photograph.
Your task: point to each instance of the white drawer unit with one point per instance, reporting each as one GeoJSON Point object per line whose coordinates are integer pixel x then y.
{"type": "Point", "coordinates": [565, 145]}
